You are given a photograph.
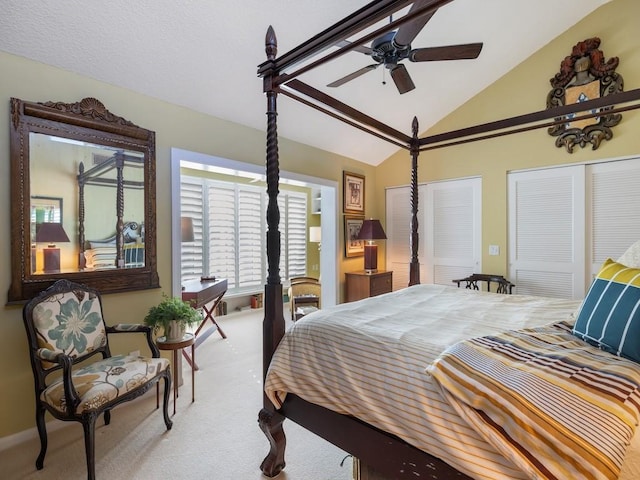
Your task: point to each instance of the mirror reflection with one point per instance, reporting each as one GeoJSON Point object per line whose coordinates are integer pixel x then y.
{"type": "Point", "coordinates": [74, 191]}
{"type": "Point", "coordinates": [83, 202]}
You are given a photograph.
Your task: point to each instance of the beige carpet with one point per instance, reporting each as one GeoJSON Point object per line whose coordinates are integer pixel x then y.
{"type": "Point", "coordinates": [217, 437]}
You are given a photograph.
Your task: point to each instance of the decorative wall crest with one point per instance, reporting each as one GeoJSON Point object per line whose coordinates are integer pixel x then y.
{"type": "Point", "coordinates": [584, 75]}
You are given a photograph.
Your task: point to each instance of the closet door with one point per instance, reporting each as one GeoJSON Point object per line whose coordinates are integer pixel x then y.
{"type": "Point", "coordinates": [453, 234]}
{"type": "Point", "coordinates": [398, 230]}
{"type": "Point", "coordinates": [449, 229]}
{"type": "Point", "coordinates": [613, 211]}
{"type": "Point", "coordinates": [547, 232]}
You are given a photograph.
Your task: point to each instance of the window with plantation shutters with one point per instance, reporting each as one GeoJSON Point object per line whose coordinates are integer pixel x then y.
{"type": "Point", "coordinates": [230, 232]}
{"type": "Point", "coordinates": [191, 205]}
{"type": "Point", "coordinates": [293, 227]}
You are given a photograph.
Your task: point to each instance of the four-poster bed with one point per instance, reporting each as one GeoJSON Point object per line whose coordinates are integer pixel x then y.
{"type": "Point", "coordinates": [389, 454]}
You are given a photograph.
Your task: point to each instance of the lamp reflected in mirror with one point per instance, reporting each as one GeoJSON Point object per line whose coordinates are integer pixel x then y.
{"type": "Point", "coordinates": [51, 233]}
{"type": "Point", "coordinates": [371, 230]}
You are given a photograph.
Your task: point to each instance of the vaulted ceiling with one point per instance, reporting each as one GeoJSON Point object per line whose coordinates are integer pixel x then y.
{"type": "Point", "coordinates": [203, 55]}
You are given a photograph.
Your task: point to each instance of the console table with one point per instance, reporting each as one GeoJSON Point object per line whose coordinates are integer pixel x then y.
{"type": "Point", "coordinates": [205, 294]}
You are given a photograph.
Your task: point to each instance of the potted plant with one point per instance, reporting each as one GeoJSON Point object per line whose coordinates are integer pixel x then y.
{"type": "Point", "coordinates": [173, 315]}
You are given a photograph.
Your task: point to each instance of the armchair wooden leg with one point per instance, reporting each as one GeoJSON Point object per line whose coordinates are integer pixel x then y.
{"type": "Point", "coordinates": [42, 431]}
{"type": "Point", "coordinates": [89, 427]}
{"type": "Point", "coordinates": [165, 402]}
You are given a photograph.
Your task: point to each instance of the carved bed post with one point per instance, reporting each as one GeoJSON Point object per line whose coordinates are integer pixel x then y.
{"type": "Point", "coordinates": [119, 209]}
{"type": "Point", "coordinates": [414, 266]}
{"type": "Point", "coordinates": [82, 260]}
{"type": "Point", "coordinates": [269, 419]}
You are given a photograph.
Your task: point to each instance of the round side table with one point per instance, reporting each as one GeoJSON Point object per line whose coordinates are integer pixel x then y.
{"type": "Point", "coordinates": [188, 340]}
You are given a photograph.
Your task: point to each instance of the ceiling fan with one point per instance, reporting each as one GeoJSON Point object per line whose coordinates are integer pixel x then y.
{"type": "Point", "coordinates": [395, 46]}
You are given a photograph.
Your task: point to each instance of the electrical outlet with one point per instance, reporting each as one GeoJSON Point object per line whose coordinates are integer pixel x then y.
{"type": "Point", "coordinates": [494, 250]}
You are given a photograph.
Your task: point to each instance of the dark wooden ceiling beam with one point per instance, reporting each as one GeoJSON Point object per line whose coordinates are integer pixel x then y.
{"type": "Point", "coordinates": [348, 111]}
{"type": "Point", "coordinates": [351, 25]}
{"type": "Point", "coordinates": [531, 118]}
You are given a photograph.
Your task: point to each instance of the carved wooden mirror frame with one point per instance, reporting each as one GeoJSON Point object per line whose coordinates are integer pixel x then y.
{"type": "Point", "coordinates": [585, 75]}
{"type": "Point", "coordinates": [86, 121]}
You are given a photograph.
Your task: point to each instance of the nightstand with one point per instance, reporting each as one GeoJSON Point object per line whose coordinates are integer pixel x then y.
{"type": "Point", "coordinates": [361, 284]}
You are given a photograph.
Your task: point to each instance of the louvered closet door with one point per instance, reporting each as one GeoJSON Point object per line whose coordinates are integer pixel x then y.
{"type": "Point", "coordinates": [398, 230]}
{"type": "Point", "coordinates": [453, 230]}
{"type": "Point", "coordinates": [449, 229]}
{"type": "Point", "coordinates": [613, 210]}
{"type": "Point", "coordinates": [547, 232]}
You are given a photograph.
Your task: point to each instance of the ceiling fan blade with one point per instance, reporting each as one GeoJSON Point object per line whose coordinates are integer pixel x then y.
{"type": "Point", "coordinates": [407, 32]}
{"type": "Point", "coordinates": [359, 48]}
{"type": "Point", "coordinates": [451, 52]}
{"type": "Point", "coordinates": [351, 76]}
{"type": "Point", "coordinates": [401, 78]}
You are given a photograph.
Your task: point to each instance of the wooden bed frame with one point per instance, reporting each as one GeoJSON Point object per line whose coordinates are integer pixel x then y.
{"type": "Point", "coordinates": [96, 176]}
{"type": "Point", "coordinates": [386, 453]}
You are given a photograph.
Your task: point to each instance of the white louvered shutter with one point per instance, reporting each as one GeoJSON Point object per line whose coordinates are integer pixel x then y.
{"type": "Point", "coordinates": [547, 232]}
{"type": "Point", "coordinates": [191, 205]}
{"type": "Point", "coordinates": [453, 230]}
{"type": "Point", "coordinates": [613, 210]}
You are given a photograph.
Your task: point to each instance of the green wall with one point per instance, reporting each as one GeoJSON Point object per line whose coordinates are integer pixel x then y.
{"type": "Point", "coordinates": [524, 90]}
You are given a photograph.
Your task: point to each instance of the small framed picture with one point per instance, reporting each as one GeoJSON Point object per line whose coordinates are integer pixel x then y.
{"type": "Point", "coordinates": [353, 194]}
{"type": "Point", "coordinates": [352, 246]}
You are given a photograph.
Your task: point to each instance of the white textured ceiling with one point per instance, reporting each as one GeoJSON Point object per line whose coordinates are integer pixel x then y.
{"type": "Point", "coordinates": [203, 54]}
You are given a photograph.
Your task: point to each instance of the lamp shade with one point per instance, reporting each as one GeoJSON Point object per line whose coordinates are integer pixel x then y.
{"type": "Point", "coordinates": [51, 233]}
{"type": "Point", "coordinates": [371, 230]}
{"type": "Point", "coordinates": [186, 229]}
{"type": "Point", "coordinates": [315, 234]}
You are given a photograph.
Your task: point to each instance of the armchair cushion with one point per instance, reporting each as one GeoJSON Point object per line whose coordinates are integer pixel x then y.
{"type": "Point", "coordinates": [69, 323]}
{"type": "Point", "coordinates": [104, 381]}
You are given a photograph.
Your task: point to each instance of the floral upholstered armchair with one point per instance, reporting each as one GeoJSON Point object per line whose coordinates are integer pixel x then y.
{"type": "Point", "coordinates": [65, 327]}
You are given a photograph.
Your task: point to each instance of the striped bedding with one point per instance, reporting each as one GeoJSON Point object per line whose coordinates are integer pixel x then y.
{"type": "Point", "coordinates": [368, 359]}
{"type": "Point", "coordinates": [556, 406]}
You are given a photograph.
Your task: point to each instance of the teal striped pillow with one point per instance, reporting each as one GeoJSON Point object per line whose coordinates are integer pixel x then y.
{"type": "Point", "coordinates": [609, 317]}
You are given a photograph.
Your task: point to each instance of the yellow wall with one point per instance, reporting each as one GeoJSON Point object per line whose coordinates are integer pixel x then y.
{"type": "Point", "coordinates": [186, 129]}
{"type": "Point", "coordinates": [521, 91]}
{"type": "Point", "coordinates": [175, 127]}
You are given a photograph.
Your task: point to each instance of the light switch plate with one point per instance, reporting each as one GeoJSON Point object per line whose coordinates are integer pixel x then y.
{"type": "Point", "coordinates": [494, 250]}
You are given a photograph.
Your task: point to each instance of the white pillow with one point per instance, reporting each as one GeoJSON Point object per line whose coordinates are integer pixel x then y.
{"type": "Point", "coordinates": [631, 258]}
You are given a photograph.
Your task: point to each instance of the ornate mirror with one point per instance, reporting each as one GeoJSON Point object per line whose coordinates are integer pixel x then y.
{"type": "Point", "coordinates": [82, 199]}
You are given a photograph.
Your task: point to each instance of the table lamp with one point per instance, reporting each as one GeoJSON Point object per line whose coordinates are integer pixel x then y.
{"type": "Point", "coordinates": [371, 230]}
{"type": "Point", "coordinates": [315, 235]}
{"type": "Point", "coordinates": [51, 233]}
{"type": "Point", "coordinates": [186, 229]}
